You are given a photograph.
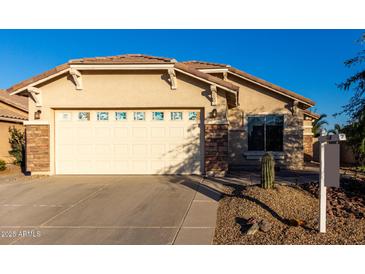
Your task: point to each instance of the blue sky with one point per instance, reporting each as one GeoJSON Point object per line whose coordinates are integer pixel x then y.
{"type": "Point", "coordinates": [309, 62]}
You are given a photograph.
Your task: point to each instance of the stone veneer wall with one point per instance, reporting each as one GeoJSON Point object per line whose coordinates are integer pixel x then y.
{"type": "Point", "coordinates": [216, 149]}
{"type": "Point", "coordinates": [37, 148]}
{"type": "Point", "coordinates": [308, 147]}
{"type": "Point", "coordinates": [293, 142]}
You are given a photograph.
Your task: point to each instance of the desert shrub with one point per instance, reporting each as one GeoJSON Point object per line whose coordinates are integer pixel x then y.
{"type": "Point", "coordinates": [17, 144]}
{"type": "Point", "coordinates": [2, 165]}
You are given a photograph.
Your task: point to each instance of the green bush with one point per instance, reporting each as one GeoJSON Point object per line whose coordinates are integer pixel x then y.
{"type": "Point", "coordinates": [17, 144]}
{"type": "Point", "coordinates": [2, 165]}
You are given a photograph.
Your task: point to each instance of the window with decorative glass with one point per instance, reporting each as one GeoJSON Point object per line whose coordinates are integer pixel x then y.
{"type": "Point", "coordinates": [157, 115]}
{"type": "Point", "coordinates": [139, 116]}
{"type": "Point", "coordinates": [193, 115]}
{"type": "Point", "coordinates": [102, 116]}
{"type": "Point", "coordinates": [120, 115]}
{"type": "Point", "coordinates": [84, 116]}
{"type": "Point", "coordinates": [176, 115]}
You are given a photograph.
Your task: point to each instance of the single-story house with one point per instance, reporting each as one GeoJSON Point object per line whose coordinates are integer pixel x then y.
{"type": "Point", "coordinates": [13, 112]}
{"type": "Point", "coordinates": [139, 114]}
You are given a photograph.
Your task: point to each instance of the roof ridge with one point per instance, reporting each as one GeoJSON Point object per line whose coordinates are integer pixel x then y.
{"type": "Point", "coordinates": [122, 56]}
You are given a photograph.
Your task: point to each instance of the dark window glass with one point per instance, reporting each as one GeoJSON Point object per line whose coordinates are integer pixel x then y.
{"type": "Point", "coordinates": [256, 132]}
{"type": "Point", "coordinates": [274, 133]}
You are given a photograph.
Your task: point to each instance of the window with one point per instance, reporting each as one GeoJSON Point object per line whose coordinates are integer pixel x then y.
{"type": "Point", "coordinates": [102, 116]}
{"type": "Point", "coordinates": [193, 115]}
{"type": "Point", "coordinates": [157, 116]}
{"type": "Point", "coordinates": [265, 133]}
{"type": "Point", "coordinates": [176, 116]}
{"type": "Point", "coordinates": [84, 116]}
{"type": "Point", "coordinates": [120, 116]}
{"type": "Point", "coordinates": [139, 116]}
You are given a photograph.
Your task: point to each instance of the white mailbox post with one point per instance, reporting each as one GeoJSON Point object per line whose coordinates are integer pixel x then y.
{"type": "Point", "coordinates": [329, 171]}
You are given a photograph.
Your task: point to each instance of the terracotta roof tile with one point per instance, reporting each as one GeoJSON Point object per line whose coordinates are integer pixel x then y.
{"type": "Point", "coordinates": [4, 113]}
{"type": "Point", "coordinates": [16, 101]}
{"type": "Point", "coordinates": [311, 114]}
{"type": "Point", "coordinates": [119, 59]}
{"type": "Point", "coordinates": [38, 77]}
{"type": "Point", "coordinates": [208, 65]}
{"type": "Point", "coordinates": [125, 59]}
{"type": "Point", "coordinates": [190, 66]}
{"type": "Point", "coordinates": [205, 65]}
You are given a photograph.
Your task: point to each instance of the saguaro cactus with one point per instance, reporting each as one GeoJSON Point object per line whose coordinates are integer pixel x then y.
{"type": "Point", "coordinates": [267, 171]}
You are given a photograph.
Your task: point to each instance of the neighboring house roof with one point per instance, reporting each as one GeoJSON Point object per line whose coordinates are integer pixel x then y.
{"type": "Point", "coordinates": [311, 114]}
{"type": "Point", "coordinates": [208, 65]}
{"type": "Point", "coordinates": [18, 102]}
{"type": "Point", "coordinates": [7, 115]}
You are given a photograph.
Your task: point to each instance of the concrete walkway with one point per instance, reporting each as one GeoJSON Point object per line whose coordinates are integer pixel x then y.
{"type": "Point", "coordinates": [199, 223]}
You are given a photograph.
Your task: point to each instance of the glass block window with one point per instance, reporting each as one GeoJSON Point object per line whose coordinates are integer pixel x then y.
{"type": "Point", "coordinates": [176, 116]}
{"type": "Point", "coordinates": [120, 116]}
{"type": "Point", "coordinates": [84, 116]}
{"type": "Point", "coordinates": [102, 116]}
{"type": "Point", "coordinates": [139, 116]}
{"type": "Point", "coordinates": [157, 116]}
{"type": "Point", "coordinates": [193, 115]}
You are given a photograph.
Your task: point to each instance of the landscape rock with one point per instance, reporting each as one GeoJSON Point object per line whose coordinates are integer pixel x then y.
{"type": "Point", "coordinates": [265, 225]}
{"type": "Point", "coordinates": [253, 229]}
{"type": "Point", "coordinates": [252, 221]}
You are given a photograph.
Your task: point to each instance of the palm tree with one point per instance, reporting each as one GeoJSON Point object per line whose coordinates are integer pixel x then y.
{"type": "Point", "coordinates": [318, 124]}
{"type": "Point", "coordinates": [336, 129]}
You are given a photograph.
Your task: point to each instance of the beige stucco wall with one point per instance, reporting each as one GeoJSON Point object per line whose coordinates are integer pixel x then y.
{"type": "Point", "coordinates": [122, 89]}
{"type": "Point", "coordinates": [254, 99]}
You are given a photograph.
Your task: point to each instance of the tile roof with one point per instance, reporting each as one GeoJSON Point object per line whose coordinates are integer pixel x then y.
{"type": "Point", "coordinates": [8, 114]}
{"type": "Point", "coordinates": [208, 65]}
{"type": "Point", "coordinates": [206, 76]}
{"type": "Point", "coordinates": [205, 65]}
{"type": "Point", "coordinates": [189, 66]}
{"type": "Point", "coordinates": [119, 59]}
{"type": "Point", "coordinates": [38, 77]}
{"type": "Point", "coordinates": [16, 101]}
{"type": "Point", "coordinates": [124, 59]}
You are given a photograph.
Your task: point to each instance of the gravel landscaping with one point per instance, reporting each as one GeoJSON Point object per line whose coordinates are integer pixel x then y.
{"type": "Point", "coordinates": [292, 212]}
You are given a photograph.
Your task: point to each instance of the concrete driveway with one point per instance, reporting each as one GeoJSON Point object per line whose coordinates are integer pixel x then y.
{"type": "Point", "coordinates": [107, 210]}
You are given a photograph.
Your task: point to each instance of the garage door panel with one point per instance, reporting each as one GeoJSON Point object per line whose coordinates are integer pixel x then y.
{"type": "Point", "coordinates": [158, 132]}
{"type": "Point", "coordinates": [85, 149]}
{"type": "Point", "coordinates": [121, 132]}
{"type": "Point", "coordinates": [139, 150]}
{"type": "Point", "coordinates": [139, 132]}
{"type": "Point", "coordinates": [102, 132]}
{"type": "Point", "coordinates": [158, 150]}
{"type": "Point", "coordinates": [121, 149]}
{"type": "Point", "coordinates": [84, 132]}
{"type": "Point", "coordinates": [127, 146]}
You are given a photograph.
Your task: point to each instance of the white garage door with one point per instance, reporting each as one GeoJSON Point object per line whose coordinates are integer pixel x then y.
{"type": "Point", "coordinates": [128, 142]}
